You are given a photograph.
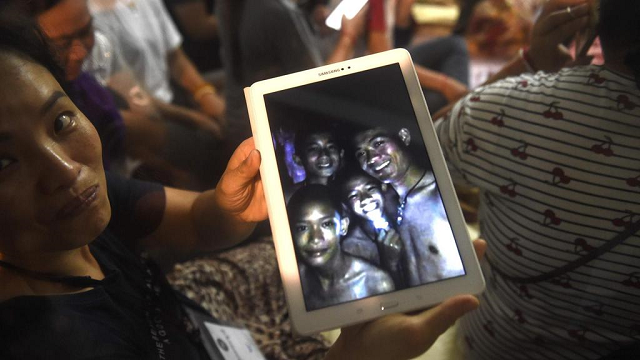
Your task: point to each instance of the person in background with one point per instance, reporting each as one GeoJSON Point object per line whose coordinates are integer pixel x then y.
{"type": "Point", "coordinates": [151, 45]}
{"type": "Point", "coordinates": [153, 128]}
{"type": "Point", "coordinates": [198, 24]}
{"type": "Point", "coordinates": [555, 153]}
{"type": "Point", "coordinates": [442, 64]}
{"type": "Point", "coordinates": [76, 281]}
{"type": "Point", "coordinates": [262, 39]}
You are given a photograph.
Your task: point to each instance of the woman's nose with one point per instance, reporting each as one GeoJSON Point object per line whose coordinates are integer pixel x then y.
{"type": "Point", "coordinates": [58, 170]}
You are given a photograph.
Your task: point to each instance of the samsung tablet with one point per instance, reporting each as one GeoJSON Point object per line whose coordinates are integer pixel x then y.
{"type": "Point", "coordinates": [364, 216]}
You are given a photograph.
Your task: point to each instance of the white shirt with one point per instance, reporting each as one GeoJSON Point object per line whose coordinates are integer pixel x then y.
{"type": "Point", "coordinates": [145, 35]}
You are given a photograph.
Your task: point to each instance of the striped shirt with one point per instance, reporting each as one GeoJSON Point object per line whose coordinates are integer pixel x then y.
{"type": "Point", "coordinates": [557, 159]}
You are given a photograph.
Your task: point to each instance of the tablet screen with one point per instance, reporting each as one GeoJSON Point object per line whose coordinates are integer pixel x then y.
{"type": "Point", "coordinates": [365, 212]}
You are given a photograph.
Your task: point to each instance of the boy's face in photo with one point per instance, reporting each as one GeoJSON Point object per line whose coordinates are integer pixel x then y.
{"type": "Point", "coordinates": [364, 197]}
{"type": "Point", "coordinates": [317, 231]}
{"type": "Point", "coordinates": [321, 155]}
{"type": "Point", "coordinates": [381, 155]}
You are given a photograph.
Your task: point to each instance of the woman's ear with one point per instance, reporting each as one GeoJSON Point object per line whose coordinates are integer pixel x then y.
{"type": "Point", "coordinates": [405, 136]}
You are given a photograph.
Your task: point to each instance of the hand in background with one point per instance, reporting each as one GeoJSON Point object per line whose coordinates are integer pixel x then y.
{"type": "Point", "coordinates": [204, 123]}
{"type": "Point", "coordinates": [354, 28]}
{"type": "Point", "coordinates": [401, 336]}
{"type": "Point", "coordinates": [214, 106]}
{"type": "Point", "coordinates": [240, 191]}
{"type": "Point", "coordinates": [555, 26]}
{"type": "Point", "coordinates": [454, 89]}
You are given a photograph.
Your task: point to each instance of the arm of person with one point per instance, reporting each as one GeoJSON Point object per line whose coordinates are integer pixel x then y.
{"type": "Point", "coordinates": [145, 112]}
{"type": "Point", "coordinates": [378, 41]}
{"type": "Point", "coordinates": [185, 73]}
{"type": "Point", "coordinates": [195, 20]}
{"type": "Point", "coordinates": [451, 88]}
{"type": "Point", "coordinates": [215, 219]}
{"type": "Point", "coordinates": [546, 52]}
{"type": "Point", "coordinates": [350, 31]}
{"type": "Point", "coordinates": [188, 117]}
{"type": "Point", "coordinates": [402, 336]}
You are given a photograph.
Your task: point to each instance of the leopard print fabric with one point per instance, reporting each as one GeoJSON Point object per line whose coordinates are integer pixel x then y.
{"type": "Point", "coordinates": [243, 286]}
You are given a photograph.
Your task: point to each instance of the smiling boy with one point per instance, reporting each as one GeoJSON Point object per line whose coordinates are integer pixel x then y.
{"type": "Point", "coordinates": [328, 275]}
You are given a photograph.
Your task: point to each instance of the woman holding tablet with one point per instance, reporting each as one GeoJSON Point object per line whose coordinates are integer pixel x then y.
{"type": "Point", "coordinates": [74, 285]}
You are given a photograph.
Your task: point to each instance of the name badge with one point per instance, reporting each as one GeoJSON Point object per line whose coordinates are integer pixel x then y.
{"type": "Point", "coordinates": [223, 341]}
{"type": "Point", "coordinates": [233, 343]}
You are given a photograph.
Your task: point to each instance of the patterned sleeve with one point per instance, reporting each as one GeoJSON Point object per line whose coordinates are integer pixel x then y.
{"type": "Point", "coordinates": [483, 125]}
{"type": "Point", "coordinates": [451, 136]}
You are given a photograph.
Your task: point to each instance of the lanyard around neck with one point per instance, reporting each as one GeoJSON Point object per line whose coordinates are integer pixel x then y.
{"type": "Point", "coordinates": [76, 281]}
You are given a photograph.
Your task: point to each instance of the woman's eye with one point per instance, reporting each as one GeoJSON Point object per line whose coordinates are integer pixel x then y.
{"type": "Point", "coordinates": [62, 122]}
{"type": "Point", "coordinates": [378, 143]}
{"type": "Point", "coordinates": [301, 228]}
{"type": "Point", "coordinates": [5, 162]}
{"type": "Point", "coordinates": [327, 224]}
{"type": "Point", "coordinates": [359, 154]}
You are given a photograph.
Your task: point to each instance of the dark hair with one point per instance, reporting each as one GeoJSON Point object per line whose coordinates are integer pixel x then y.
{"type": "Point", "coordinates": [313, 193]}
{"type": "Point", "coordinates": [347, 175]}
{"type": "Point", "coordinates": [22, 36]}
{"type": "Point", "coordinates": [309, 129]}
{"type": "Point", "coordinates": [36, 7]}
{"type": "Point", "coordinates": [619, 29]}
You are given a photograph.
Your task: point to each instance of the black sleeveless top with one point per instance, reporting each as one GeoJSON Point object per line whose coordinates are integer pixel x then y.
{"type": "Point", "coordinates": [132, 314]}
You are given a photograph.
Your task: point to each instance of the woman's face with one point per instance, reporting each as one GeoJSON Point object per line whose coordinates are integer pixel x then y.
{"type": "Point", "coordinates": [53, 194]}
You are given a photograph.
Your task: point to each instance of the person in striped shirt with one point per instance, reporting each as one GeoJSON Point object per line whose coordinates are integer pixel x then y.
{"type": "Point", "coordinates": [556, 154]}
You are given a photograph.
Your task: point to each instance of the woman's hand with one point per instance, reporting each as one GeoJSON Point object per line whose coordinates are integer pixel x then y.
{"type": "Point", "coordinates": [239, 191]}
{"type": "Point", "coordinates": [559, 21]}
{"type": "Point", "coordinates": [400, 336]}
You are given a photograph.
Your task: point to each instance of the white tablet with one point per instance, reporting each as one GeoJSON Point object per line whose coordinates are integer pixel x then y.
{"type": "Point", "coordinates": [362, 209]}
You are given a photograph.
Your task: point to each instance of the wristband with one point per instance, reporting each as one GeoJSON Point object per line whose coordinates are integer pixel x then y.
{"type": "Point", "coordinates": [526, 59]}
{"type": "Point", "coordinates": [203, 90]}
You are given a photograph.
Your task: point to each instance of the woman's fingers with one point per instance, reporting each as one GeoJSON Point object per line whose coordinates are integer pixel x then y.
{"type": "Point", "coordinates": [565, 22]}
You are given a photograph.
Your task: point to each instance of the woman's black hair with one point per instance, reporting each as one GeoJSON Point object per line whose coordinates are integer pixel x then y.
{"type": "Point", "coordinates": [21, 35]}
{"type": "Point", "coordinates": [619, 29]}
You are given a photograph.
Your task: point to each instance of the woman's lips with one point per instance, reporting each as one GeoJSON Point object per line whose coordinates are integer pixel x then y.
{"type": "Point", "coordinates": [78, 204]}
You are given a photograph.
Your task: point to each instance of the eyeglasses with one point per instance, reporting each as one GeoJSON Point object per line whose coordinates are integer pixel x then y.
{"type": "Point", "coordinates": [64, 43]}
